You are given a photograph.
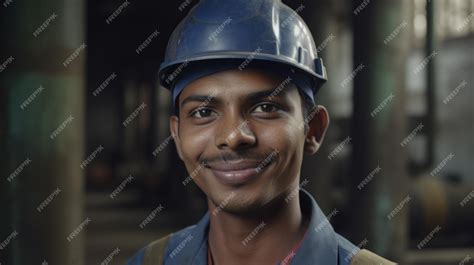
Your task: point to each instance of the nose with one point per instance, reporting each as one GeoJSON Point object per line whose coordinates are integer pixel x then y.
{"type": "Point", "coordinates": [234, 132]}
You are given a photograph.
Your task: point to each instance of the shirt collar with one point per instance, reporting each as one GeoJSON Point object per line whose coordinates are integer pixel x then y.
{"type": "Point", "coordinates": [319, 246]}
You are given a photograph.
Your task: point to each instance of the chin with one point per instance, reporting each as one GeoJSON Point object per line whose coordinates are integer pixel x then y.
{"type": "Point", "coordinates": [244, 209]}
{"type": "Point", "coordinates": [243, 202]}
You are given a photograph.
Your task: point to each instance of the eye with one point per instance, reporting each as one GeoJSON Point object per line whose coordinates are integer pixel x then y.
{"type": "Point", "coordinates": [202, 113]}
{"type": "Point", "coordinates": [266, 107]}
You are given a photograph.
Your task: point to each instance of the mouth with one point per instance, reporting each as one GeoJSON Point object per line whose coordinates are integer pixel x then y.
{"type": "Point", "coordinates": [236, 172]}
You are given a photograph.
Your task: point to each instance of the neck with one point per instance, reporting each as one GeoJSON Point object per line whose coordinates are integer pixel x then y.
{"type": "Point", "coordinates": [264, 239]}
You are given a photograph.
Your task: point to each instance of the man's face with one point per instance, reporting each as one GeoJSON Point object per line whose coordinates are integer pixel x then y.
{"type": "Point", "coordinates": [242, 145]}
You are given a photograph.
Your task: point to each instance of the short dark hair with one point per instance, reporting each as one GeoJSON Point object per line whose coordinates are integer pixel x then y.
{"type": "Point", "coordinates": [307, 106]}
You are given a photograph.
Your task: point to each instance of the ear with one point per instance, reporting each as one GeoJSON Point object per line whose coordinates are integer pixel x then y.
{"type": "Point", "coordinates": [317, 128]}
{"type": "Point", "coordinates": [174, 129]}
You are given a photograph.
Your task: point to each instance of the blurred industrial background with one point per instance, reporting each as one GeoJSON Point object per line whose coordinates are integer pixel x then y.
{"type": "Point", "coordinates": [78, 178]}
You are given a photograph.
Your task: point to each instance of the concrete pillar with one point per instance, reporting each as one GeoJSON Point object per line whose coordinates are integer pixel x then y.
{"type": "Point", "coordinates": [42, 136]}
{"type": "Point", "coordinates": [379, 181]}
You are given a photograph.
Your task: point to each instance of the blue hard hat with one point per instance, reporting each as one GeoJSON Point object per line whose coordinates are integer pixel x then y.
{"type": "Point", "coordinates": [242, 31]}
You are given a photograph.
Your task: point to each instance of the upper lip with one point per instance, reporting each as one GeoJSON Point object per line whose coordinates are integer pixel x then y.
{"type": "Point", "coordinates": [234, 166]}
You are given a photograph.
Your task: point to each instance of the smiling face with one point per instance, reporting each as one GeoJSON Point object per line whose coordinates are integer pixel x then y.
{"type": "Point", "coordinates": [243, 145]}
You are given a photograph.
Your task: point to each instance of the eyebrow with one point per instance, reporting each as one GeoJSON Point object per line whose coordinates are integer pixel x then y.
{"type": "Point", "coordinates": [251, 96]}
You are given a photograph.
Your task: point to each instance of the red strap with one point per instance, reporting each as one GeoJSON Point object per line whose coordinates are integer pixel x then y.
{"type": "Point", "coordinates": [287, 260]}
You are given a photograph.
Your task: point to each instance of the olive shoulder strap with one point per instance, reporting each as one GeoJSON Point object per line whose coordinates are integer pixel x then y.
{"type": "Point", "coordinates": [155, 252]}
{"type": "Point", "coordinates": [365, 257]}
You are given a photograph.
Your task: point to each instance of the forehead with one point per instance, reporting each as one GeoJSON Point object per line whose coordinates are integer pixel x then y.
{"type": "Point", "coordinates": [233, 82]}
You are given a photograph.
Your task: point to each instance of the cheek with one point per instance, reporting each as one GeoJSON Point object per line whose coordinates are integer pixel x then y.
{"type": "Point", "coordinates": [193, 143]}
{"type": "Point", "coordinates": [294, 152]}
{"type": "Point", "coordinates": [288, 140]}
{"type": "Point", "coordinates": [286, 136]}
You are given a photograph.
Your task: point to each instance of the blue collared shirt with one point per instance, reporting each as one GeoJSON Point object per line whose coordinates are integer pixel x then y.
{"type": "Point", "coordinates": [320, 246]}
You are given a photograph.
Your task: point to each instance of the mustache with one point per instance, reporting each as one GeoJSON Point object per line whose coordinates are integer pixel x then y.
{"type": "Point", "coordinates": [228, 157]}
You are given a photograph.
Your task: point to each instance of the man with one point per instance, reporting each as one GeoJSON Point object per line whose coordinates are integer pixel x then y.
{"type": "Point", "coordinates": [243, 76]}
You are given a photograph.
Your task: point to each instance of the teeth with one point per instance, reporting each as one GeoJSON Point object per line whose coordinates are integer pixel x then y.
{"type": "Point", "coordinates": [235, 161]}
